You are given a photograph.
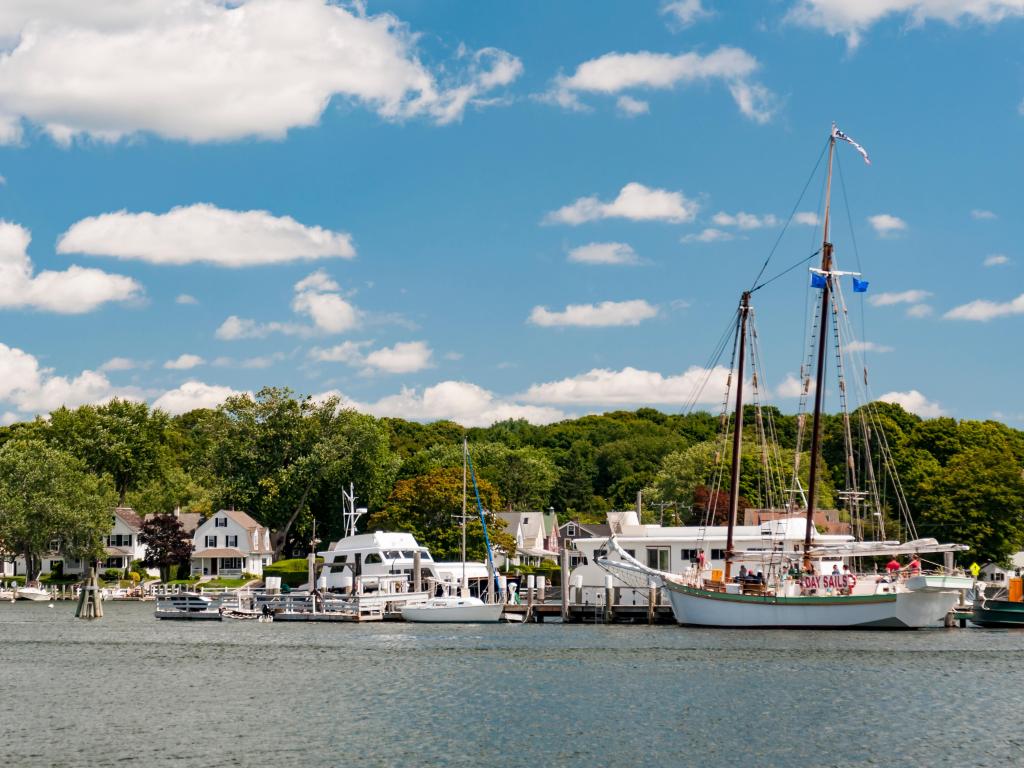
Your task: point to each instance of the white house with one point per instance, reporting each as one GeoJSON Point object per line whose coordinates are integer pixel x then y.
{"type": "Point", "coordinates": [998, 576]}
{"type": "Point", "coordinates": [120, 547]}
{"type": "Point", "coordinates": [536, 535]}
{"type": "Point", "coordinates": [231, 543]}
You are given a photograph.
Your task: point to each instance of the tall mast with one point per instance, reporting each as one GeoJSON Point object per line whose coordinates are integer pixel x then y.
{"type": "Point", "coordinates": [819, 386]}
{"type": "Point", "coordinates": [465, 453]}
{"type": "Point", "coordinates": [737, 436]}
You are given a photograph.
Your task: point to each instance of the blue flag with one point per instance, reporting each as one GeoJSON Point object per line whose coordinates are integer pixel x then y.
{"type": "Point", "coordinates": [860, 286]}
{"type": "Point", "coordinates": [818, 281]}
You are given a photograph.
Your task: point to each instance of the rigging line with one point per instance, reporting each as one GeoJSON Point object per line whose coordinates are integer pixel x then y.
{"type": "Point", "coordinates": [785, 271]}
{"type": "Point", "coordinates": [792, 213]}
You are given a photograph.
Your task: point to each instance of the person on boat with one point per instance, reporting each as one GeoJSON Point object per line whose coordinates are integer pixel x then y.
{"type": "Point", "coordinates": [848, 581]}
{"type": "Point", "coordinates": [914, 566]}
{"type": "Point", "coordinates": [700, 560]}
{"type": "Point", "coordinates": [892, 568]}
{"type": "Point", "coordinates": [835, 570]}
{"type": "Point", "coordinates": [743, 574]}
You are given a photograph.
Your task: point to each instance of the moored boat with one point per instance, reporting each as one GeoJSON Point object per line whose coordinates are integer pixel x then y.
{"type": "Point", "coordinates": [453, 610]}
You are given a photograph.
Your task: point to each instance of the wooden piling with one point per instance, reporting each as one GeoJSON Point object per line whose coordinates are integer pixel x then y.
{"type": "Point", "coordinates": [531, 581]}
{"type": "Point", "coordinates": [417, 580]}
{"type": "Point", "coordinates": [609, 598]}
{"type": "Point", "coordinates": [652, 602]}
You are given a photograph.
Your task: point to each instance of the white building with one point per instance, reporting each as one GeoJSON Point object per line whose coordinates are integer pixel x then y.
{"type": "Point", "coordinates": [994, 574]}
{"type": "Point", "coordinates": [536, 535]}
{"type": "Point", "coordinates": [120, 547]}
{"type": "Point", "coordinates": [229, 544]}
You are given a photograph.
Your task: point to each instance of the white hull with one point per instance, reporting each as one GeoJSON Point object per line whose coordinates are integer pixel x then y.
{"type": "Point", "coordinates": [33, 594]}
{"type": "Point", "coordinates": [904, 610]}
{"type": "Point", "coordinates": [453, 612]}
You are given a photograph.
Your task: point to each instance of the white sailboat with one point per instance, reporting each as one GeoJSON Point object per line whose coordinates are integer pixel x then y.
{"type": "Point", "coordinates": [791, 589]}
{"type": "Point", "coordinates": [462, 608]}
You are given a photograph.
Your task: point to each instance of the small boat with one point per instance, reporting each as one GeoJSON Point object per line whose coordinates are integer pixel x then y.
{"type": "Point", "coordinates": [35, 594]}
{"type": "Point", "coordinates": [186, 605]}
{"type": "Point", "coordinates": [994, 613]}
{"type": "Point", "coordinates": [461, 609]}
{"type": "Point", "coordinates": [453, 610]}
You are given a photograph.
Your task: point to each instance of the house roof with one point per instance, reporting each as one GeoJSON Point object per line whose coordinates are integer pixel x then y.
{"type": "Point", "coordinates": [242, 518]}
{"type": "Point", "coordinates": [219, 552]}
{"type": "Point", "coordinates": [130, 517]}
{"type": "Point", "coordinates": [189, 520]}
{"type": "Point", "coordinates": [116, 551]}
{"type": "Point", "coordinates": [593, 530]}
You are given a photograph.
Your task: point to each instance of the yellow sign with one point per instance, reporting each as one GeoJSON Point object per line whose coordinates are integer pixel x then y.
{"type": "Point", "coordinates": [975, 570]}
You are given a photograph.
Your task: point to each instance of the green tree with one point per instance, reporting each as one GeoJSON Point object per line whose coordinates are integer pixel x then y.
{"type": "Point", "coordinates": [46, 495]}
{"type": "Point", "coordinates": [123, 439]}
{"type": "Point", "coordinates": [976, 499]}
{"type": "Point", "coordinates": [427, 505]}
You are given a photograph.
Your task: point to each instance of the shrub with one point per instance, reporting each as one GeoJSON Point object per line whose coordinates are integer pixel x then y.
{"type": "Point", "coordinates": [293, 572]}
{"type": "Point", "coordinates": [112, 574]}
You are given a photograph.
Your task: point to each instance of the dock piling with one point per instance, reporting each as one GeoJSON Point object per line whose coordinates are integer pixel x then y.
{"type": "Point", "coordinates": [565, 583]}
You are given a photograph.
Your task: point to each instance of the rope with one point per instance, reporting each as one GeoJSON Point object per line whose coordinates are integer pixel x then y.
{"type": "Point", "coordinates": [785, 271]}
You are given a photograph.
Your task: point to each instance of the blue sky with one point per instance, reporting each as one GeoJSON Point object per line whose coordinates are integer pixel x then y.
{"type": "Point", "coordinates": [412, 204]}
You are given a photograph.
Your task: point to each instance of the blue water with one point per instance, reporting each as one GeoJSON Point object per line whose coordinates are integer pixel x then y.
{"type": "Point", "coordinates": [130, 690]}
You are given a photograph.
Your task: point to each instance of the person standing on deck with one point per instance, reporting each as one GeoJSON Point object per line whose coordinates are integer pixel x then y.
{"type": "Point", "coordinates": [893, 569]}
{"type": "Point", "coordinates": [914, 566]}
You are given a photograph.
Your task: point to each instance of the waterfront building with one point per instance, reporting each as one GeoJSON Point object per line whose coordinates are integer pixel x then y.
{"type": "Point", "coordinates": [229, 544]}
{"type": "Point", "coordinates": [536, 535]}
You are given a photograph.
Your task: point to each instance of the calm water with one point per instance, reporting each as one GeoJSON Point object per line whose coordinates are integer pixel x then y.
{"type": "Point", "coordinates": [129, 690]}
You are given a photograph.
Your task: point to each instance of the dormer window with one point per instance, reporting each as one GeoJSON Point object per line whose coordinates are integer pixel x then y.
{"type": "Point", "coordinates": [220, 522]}
{"type": "Point", "coordinates": [526, 521]}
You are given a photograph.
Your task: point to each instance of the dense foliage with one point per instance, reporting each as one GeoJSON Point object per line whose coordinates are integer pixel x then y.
{"type": "Point", "coordinates": [285, 460]}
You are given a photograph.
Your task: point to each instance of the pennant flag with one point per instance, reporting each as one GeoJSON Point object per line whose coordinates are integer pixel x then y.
{"type": "Point", "coordinates": [818, 281]}
{"type": "Point", "coordinates": [837, 134]}
{"type": "Point", "coordinates": [860, 286]}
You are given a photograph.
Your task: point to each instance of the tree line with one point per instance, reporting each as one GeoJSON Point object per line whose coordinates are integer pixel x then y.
{"type": "Point", "coordinates": [284, 459]}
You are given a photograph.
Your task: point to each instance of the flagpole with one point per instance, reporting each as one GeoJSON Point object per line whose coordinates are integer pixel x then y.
{"type": "Point", "coordinates": [826, 266]}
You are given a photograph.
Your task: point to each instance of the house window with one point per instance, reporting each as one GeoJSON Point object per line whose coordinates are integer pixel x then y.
{"type": "Point", "coordinates": [211, 541]}
{"type": "Point", "coordinates": [600, 553]}
{"type": "Point", "coordinates": [54, 545]}
{"type": "Point", "coordinates": [255, 539]}
{"type": "Point", "coordinates": [56, 565]}
{"type": "Point", "coordinates": [718, 554]}
{"type": "Point", "coordinates": [114, 562]}
{"type": "Point", "coordinates": [657, 558]}
{"type": "Point", "coordinates": [526, 521]}
{"type": "Point", "coordinates": [631, 553]}
{"type": "Point", "coordinates": [220, 522]}
{"type": "Point", "coordinates": [230, 541]}
{"type": "Point", "coordinates": [570, 530]}
{"type": "Point", "coordinates": [119, 540]}
{"type": "Point", "coordinates": [231, 563]}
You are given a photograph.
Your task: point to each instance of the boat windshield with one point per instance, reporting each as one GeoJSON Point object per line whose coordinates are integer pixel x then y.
{"type": "Point", "coordinates": [425, 555]}
{"type": "Point", "coordinates": [408, 553]}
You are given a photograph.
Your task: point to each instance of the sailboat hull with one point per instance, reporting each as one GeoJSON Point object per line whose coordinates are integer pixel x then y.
{"type": "Point", "coordinates": [903, 610]}
{"type": "Point", "coordinates": [433, 612]}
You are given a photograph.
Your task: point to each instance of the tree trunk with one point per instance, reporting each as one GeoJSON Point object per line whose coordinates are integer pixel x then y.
{"type": "Point", "coordinates": [32, 566]}
{"type": "Point", "coordinates": [279, 538]}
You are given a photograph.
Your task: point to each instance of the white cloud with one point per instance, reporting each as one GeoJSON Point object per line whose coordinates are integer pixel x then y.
{"type": "Point", "coordinates": [684, 13]}
{"type": "Point", "coordinates": [403, 357]}
{"type": "Point", "coordinates": [887, 225]}
{"type": "Point", "coordinates": [453, 356]}
{"type": "Point", "coordinates": [204, 233]}
{"type": "Point", "coordinates": [119, 364]}
{"type": "Point", "coordinates": [613, 73]}
{"type": "Point", "coordinates": [982, 214]}
{"type": "Point", "coordinates": [184, 298]}
{"type": "Point", "coordinates": [914, 402]}
{"type": "Point", "coordinates": [792, 387]}
{"type": "Point", "coordinates": [262, 361]}
{"type": "Point", "coordinates": [631, 107]}
{"type": "Point", "coordinates": [234, 328]}
{"type": "Point", "coordinates": [984, 310]}
{"type": "Point", "coordinates": [192, 395]}
{"type": "Point", "coordinates": [184, 362]}
{"type": "Point", "coordinates": [912, 296]}
{"type": "Point", "coordinates": [919, 310]}
{"type": "Point", "coordinates": [460, 401]}
{"type": "Point", "coordinates": [996, 260]}
{"type": "Point", "coordinates": [73, 291]}
{"type": "Point", "coordinates": [316, 297]}
{"type": "Point", "coordinates": [207, 70]}
{"type": "Point", "coordinates": [32, 389]}
{"type": "Point", "coordinates": [350, 352]}
{"type": "Point", "coordinates": [634, 202]}
{"type": "Point", "coordinates": [631, 386]}
{"type": "Point", "coordinates": [807, 218]}
{"type": "Point", "coordinates": [744, 220]}
{"type": "Point", "coordinates": [604, 253]}
{"type": "Point", "coordinates": [867, 346]}
{"type": "Point", "coordinates": [607, 313]}
{"type": "Point", "coordinates": [709, 235]}
{"type": "Point", "coordinates": [852, 19]}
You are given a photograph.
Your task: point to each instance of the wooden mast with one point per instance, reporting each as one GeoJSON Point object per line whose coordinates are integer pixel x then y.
{"type": "Point", "coordinates": [737, 437]}
{"type": "Point", "coordinates": [819, 386]}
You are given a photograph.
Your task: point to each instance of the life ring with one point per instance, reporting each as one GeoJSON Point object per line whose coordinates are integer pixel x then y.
{"type": "Point", "coordinates": [851, 582]}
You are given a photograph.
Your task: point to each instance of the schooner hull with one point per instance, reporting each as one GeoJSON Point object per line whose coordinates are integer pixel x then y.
{"type": "Point", "coordinates": [904, 610]}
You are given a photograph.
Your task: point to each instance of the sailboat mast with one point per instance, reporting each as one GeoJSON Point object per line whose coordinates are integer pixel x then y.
{"type": "Point", "coordinates": [465, 453]}
{"type": "Point", "coordinates": [819, 385]}
{"type": "Point", "coordinates": [737, 436]}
